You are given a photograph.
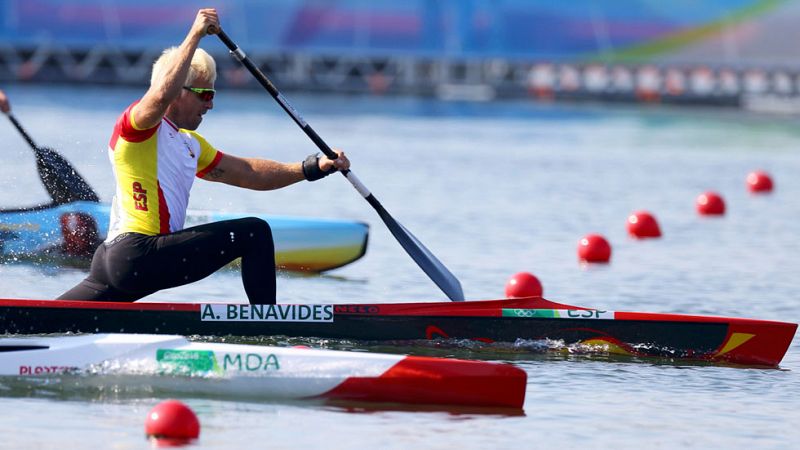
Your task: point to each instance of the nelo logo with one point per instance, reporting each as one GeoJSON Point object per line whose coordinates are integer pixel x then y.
{"type": "Point", "coordinates": [356, 309]}
{"type": "Point", "coordinates": [139, 196]}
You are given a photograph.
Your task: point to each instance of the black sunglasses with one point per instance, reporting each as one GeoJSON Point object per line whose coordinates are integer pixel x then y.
{"type": "Point", "coordinates": [205, 94]}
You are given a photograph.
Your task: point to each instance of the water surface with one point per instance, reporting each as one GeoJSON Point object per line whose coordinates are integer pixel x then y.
{"type": "Point", "coordinates": [491, 189]}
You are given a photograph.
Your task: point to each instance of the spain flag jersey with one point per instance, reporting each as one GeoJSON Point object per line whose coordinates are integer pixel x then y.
{"type": "Point", "coordinates": [154, 170]}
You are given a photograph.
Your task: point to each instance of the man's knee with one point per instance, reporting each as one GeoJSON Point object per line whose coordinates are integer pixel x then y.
{"type": "Point", "coordinates": [257, 229]}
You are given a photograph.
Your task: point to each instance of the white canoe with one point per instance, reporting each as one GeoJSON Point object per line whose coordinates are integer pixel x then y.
{"type": "Point", "coordinates": [259, 372]}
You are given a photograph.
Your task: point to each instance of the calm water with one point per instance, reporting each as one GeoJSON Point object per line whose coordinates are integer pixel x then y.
{"type": "Point", "coordinates": [491, 189]}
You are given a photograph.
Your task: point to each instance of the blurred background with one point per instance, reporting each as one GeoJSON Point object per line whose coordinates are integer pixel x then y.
{"type": "Point", "coordinates": [739, 53]}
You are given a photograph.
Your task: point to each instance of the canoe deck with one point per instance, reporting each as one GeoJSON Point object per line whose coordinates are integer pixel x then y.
{"type": "Point", "coordinates": [674, 336]}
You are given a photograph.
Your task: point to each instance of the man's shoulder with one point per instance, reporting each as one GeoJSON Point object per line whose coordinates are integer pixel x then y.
{"type": "Point", "coordinates": [192, 134]}
{"type": "Point", "coordinates": [126, 128]}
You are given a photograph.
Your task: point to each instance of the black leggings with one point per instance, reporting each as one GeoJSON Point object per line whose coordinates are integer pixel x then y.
{"type": "Point", "coordinates": [133, 265]}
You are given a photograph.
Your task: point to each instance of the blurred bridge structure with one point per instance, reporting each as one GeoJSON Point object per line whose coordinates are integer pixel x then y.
{"type": "Point", "coordinates": [716, 52]}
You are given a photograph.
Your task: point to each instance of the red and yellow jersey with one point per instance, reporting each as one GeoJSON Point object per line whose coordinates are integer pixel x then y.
{"type": "Point", "coordinates": [154, 171]}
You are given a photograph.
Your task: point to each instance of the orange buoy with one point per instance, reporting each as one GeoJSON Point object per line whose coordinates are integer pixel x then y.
{"type": "Point", "coordinates": [172, 420]}
{"type": "Point", "coordinates": [642, 224]}
{"type": "Point", "coordinates": [759, 182]}
{"type": "Point", "coordinates": [710, 204]}
{"type": "Point", "coordinates": [523, 284]}
{"type": "Point", "coordinates": [594, 248]}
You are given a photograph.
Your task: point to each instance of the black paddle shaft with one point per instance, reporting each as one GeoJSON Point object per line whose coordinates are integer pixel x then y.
{"type": "Point", "coordinates": [22, 131]}
{"type": "Point", "coordinates": [434, 268]}
{"type": "Point", "coordinates": [242, 58]}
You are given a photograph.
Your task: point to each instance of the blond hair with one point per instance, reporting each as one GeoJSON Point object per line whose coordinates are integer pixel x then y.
{"type": "Point", "coordinates": [202, 66]}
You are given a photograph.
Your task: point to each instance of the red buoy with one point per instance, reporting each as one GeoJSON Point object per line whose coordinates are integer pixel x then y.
{"type": "Point", "coordinates": [523, 284]}
{"type": "Point", "coordinates": [594, 248]}
{"type": "Point", "coordinates": [759, 182]}
{"type": "Point", "coordinates": [642, 224]}
{"type": "Point", "coordinates": [710, 204]}
{"type": "Point", "coordinates": [172, 420]}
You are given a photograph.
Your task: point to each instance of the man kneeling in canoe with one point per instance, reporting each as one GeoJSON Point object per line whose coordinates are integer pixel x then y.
{"type": "Point", "coordinates": [155, 154]}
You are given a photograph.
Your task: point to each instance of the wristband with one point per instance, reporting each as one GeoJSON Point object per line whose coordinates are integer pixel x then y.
{"type": "Point", "coordinates": [311, 170]}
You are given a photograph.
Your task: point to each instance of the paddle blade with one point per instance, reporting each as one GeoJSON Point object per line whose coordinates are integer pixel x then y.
{"type": "Point", "coordinates": [434, 268]}
{"type": "Point", "coordinates": [61, 180]}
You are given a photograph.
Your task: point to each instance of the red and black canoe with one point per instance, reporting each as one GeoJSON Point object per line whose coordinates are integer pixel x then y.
{"type": "Point", "coordinates": [706, 338]}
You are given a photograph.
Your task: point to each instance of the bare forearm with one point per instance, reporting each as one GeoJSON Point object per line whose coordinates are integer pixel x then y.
{"type": "Point", "coordinates": [265, 174]}
{"type": "Point", "coordinates": [169, 84]}
{"type": "Point", "coordinates": [171, 71]}
{"type": "Point", "coordinates": [259, 174]}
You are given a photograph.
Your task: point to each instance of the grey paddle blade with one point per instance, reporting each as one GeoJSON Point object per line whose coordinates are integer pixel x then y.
{"type": "Point", "coordinates": [429, 263]}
